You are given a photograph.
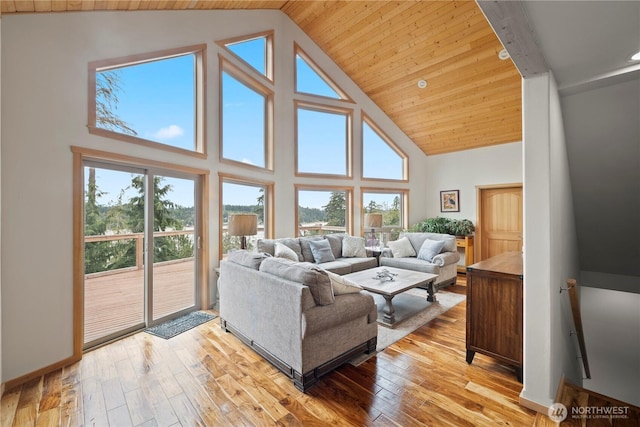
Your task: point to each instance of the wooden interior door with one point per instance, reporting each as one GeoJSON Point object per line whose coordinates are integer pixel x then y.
{"type": "Point", "coordinates": [499, 220]}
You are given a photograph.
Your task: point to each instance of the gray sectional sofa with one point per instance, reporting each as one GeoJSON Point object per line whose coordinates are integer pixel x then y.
{"type": "Point", "coordinates": [444, 263]}
{"type": "Point", "coordinates": [287, 312]}
{"type": "Point", "coordinates": [343, 262]}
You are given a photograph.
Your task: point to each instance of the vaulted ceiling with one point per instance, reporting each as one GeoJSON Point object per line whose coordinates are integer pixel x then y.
{"type": "Point", "coordinates": [472, 98]}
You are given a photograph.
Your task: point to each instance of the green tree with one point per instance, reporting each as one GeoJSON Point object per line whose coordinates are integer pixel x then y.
{"type": "Point", "coordinates": [336, 209]}
{"type": "Point", "coordinates": [259, 210]}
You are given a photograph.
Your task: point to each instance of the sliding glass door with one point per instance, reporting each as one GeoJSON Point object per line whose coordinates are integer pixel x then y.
{"type": "Point", "coordinates": [141, 238]}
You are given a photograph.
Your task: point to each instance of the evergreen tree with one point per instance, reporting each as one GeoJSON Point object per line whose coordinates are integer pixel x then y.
{"type": "Point", "coordinates": [336, 209]}
{"type": "Point", "coordinates": [108, 86]}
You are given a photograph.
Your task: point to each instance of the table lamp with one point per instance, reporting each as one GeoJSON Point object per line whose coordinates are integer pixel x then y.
{"type": "Point", "coordinates": [243, 225]}
{"type": "Point", "coordinates": [373, 221]}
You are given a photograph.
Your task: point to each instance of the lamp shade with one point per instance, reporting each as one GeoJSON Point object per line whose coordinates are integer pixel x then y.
{"type": "Point", "coordinates": [373, 220]}
{"type": "Point", "coordinates": [243, 224]}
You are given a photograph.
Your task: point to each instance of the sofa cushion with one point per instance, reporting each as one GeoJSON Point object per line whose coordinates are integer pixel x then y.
{"type": "Point", "coordinates": [282, 251]}
{"type": "Point", "coordinates": [268, 245]}
{"type": "Point", "coordinates": [338, 266]}
{"type": "Point", "coordinates": [429, 249]}
{"type": "Point", "coordinates": [359, 264]}
{"type": "Point", "coordinates": [307, 253]}
{"type": "Point", "coordinates": [409, 263]}
{"type": "Point", "coordinates": [247, 258]}
{"type": "Point", "coordinates": [321, 250]}
{"type": "Point", "coordinates": [401, 248]}
{"type": "Point", "coordinates": [342, 285]}
{"type": "Point", "coordinates": [316, 279]}
{"type": "Point", "coordinates": [335, 240]}
{"type": "Point", "coordinates": [353, 247]}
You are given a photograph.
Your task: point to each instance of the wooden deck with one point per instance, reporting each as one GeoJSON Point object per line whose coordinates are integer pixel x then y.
{"type": "Point", "coordinates": [115, 301]}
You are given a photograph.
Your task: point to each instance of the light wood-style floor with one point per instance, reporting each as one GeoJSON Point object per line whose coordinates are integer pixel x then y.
{"type": "Point", "coordinates": [206, 377]}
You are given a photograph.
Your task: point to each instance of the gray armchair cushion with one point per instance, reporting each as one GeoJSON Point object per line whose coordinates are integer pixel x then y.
{"type": "Point", "coordinates": [335, 240]}
{"type": "Point", "coordinates": [408, 263]}
{"type": "Point", "coordinates": [446, 258]}
{"type": "Point", "coordinates": [306, 273]}
{"type": "Point", "coordinates": [247, 258]}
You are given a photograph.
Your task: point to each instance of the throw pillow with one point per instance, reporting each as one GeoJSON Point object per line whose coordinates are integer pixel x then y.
{"type": "Point", "coordinates": [310, 275]}
{"type": "Point", "coordinates": [353, 247]}
{"type": "Point", "coordinates": [321, 250]}
{"type": "Point", "coordinates": [283, 251]}
{"type": "Point", "coordinates": [430, 248]}
{"type": "Point", "coordinates": [401, 248]}
{"type": "Point", "coordinates": [342, 285]}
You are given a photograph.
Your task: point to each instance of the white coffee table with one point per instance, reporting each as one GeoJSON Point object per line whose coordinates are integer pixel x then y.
{"type": "Point", "coordinates": [403, 280]}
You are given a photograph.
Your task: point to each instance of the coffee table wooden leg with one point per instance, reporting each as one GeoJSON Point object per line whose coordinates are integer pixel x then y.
{"type": "Point", "coordinates": [388, 310]}
{"type": "Point", "coordinates": [431, 296]}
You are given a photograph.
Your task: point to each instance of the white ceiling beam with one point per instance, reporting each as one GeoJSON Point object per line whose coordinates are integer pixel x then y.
{"type": "Point", "coordinates": [509, 22]}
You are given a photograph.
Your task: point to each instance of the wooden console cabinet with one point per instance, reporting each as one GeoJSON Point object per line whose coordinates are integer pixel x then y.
{"type": "Point", "coordinates": [494, 309]}
{"type": "Point", "coordinates": [465, 242]}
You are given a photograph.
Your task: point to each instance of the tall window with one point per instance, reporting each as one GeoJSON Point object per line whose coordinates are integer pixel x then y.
{"type": "Point", "coordinates": [323, 210]}
{"type": "Point", "coordinates": [246, 107]}
{"type": "Point", "coordinates": [154, 98]}
{"type": "Point", "coordinates": [323, 140]}
{"type": "Point", "coordinates": [381, 159]}
{"type": "Point", "coordinates": [244, 197]}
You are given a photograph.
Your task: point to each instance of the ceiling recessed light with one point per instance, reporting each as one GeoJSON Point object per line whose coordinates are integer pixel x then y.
{"type": "Point", "coordinates": [636, 57]}
{"type": "Point", "coordinates": [503, 54]}
{"type": "Point", "coordinates": [422, 84]}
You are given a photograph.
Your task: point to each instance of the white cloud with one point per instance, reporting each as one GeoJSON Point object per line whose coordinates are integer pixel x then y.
{"type": "Point", "coordinates": [169, 132]}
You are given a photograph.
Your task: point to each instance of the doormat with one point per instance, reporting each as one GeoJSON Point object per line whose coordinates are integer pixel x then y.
{"type": "Point", "coordinates": [177, 326]}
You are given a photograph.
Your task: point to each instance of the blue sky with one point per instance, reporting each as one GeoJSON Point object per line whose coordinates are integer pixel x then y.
{"type": "Point", "coordinates": [158, 101]}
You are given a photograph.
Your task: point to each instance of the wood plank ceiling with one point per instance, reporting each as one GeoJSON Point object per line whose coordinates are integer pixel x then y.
{"type": "Point", "coordinates": [473, 99]}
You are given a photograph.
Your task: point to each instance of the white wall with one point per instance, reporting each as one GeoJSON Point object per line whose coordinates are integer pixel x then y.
{"type": "Point", "coordinates": [611, 321]}
{"type": "Point", "coordinates": [550, 254]}
{"type": "Point", "coordinates": [464, 170]}
{"type": "Point", "coordinates": [44, 93]}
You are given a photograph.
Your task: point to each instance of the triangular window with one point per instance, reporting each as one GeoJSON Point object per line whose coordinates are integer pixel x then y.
{"type": "Point", "coordinates": [311, 80]}
{"type": "Point", "coordinates": [254, 50]}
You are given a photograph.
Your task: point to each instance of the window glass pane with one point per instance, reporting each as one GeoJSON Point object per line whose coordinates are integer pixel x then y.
{"type": "Point", "coordinates": [242, 199]}
{"type": "Point", "coordinates": [321, 212]}
{"type": "Point", "coordinates": [253, 52]}
{"type": "Point", "coordinates": [322, 142]}
{"type": "Point", "coordinates": [243, 122]}
{"type": "Point", "coordinates": [308, 81]}
{"type": "Point", "coordinates": [388, 204]}
{"type": "Point", "coordinates": [379, 159]}
{"type": "Point", "coordinates": [151, 100]}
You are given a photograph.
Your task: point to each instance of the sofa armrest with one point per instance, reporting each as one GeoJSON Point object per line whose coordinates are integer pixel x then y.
{"type": "Point", "coordinates": [446, 258]}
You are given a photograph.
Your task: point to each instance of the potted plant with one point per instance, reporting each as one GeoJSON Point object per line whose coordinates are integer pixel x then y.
{"type": "Point", "coordinates": [461, 227]}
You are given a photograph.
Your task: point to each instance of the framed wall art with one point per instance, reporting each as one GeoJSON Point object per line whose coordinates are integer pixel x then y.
{"type": "Point", "coordinates": [450, 201]}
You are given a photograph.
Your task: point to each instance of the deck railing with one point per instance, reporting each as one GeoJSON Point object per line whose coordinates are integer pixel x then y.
{"type": "Point", "coordinates": [139, 239]}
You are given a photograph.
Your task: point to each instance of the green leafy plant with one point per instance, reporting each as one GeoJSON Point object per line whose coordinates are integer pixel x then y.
{"type": "Point", "coordinates": [456, 227]}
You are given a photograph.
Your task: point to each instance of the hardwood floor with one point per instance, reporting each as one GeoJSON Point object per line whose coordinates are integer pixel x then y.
{"type": "Point", "coordinates": [205, 377]}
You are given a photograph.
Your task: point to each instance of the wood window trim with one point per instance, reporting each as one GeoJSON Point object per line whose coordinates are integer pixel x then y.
{"type": "Point", "coordinates": [255, 85]}
{"type": "Point", "coordinates": [348, 113]}
{"type": "Point", "coordinates": [377, 129]}
{"type": "Point", "coordinates": [80, 154]}
{"type": "Point", "coordinates": [199, 51]}
{"type": "Point", "coordinates": [404, 204]}
{"type": "Point", "coordinates": [270, 49]}
{"type": "Point", "coordinates": [269, 202]}
{"type": "Point", "coordinates": [329, 188]}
